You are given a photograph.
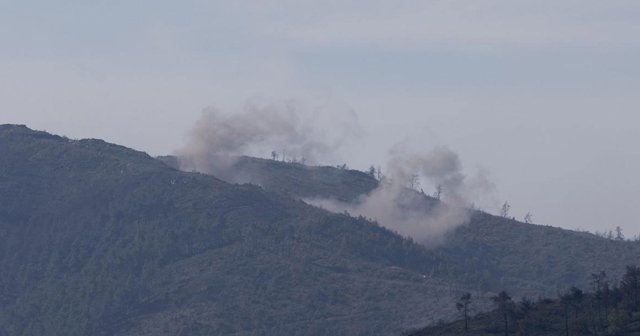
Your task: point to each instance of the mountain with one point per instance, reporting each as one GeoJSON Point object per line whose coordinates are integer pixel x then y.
{"type": "Point", "coordinates": [490, 253]}
{"type": "Point", "coordinates": [99, 239]}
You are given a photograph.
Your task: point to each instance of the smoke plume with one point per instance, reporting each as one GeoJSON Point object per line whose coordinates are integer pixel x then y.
{"type": "Point", "coordinates": [400, 204]}
{"type": "Point", "coordinates": [287, 130]}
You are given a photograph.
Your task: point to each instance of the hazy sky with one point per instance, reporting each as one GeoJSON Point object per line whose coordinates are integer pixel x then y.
{"type": "Point", "coordinates": [543, 94]}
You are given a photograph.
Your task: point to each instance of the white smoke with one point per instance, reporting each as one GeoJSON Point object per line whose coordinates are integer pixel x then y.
{"type": "Point", "coordinates": [410, 212]}
{"type": "Point", "coordinates": [291, 130]}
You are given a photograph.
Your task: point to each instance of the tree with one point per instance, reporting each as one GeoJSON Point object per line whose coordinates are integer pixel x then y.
{"type": "Point", "coordinates": [438, 192]}
{"type": "Point", "coordinates": [372, 171]}
{"type": "Point", "coordinates": [463, 307]}
{"type": "Point", "coordinates": [571, 302]}
{"type": "Point", "coordinates": [619, 235]}
{"type": "Point", "coordinates": [630, 286]}
{"type": "Point", "coordinates": [504, 211]}
{"type": "Point", "coordinates": [524, 309]}
{"type": "Point", "coordinates": [274, 155]}
{"type": "Point", "coordinates": [526, 305]}
{"type": "Point", "coordinates": [505, 305]}
{"type": "Point", "coordinates": [600, 287]}
{"type": "Point", "coordinates": [528, 218]}
{"type": "Point", "coordinates": [609, 235]}
{"type": "Point", "coordinates": [379, 175]}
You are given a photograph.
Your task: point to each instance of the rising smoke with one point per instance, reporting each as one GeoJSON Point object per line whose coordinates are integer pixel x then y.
{"type": "Point", "coordinates": [288, 129]}
{"type": "Point", "coordinates": [399, 204]}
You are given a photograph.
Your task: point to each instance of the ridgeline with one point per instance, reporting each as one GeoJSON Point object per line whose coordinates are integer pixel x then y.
{"type": "Point", "coordinates": [99, 239]}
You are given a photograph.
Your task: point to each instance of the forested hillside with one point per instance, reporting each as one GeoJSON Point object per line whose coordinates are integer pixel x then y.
{"type": "Point", "coordinates": [491, 253]}
{"type": "Point", "coordinates": [606, 308]}
{"type": "Point", "coordinates": [98, 239]}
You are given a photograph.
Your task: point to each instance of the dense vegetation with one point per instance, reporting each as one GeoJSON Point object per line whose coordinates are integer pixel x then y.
{"type": "Point", "coordinates": [491, 253]}
{"type": "Point", "coordinates": [532, 259]}
{"type": "Point", "coordinates": [99, 239]}
{"type": "Point", "coordinates": [606, 309]}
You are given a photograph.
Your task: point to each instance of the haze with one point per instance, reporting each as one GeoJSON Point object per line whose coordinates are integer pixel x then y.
{"type": "Point", "coordinates": [541, 94]}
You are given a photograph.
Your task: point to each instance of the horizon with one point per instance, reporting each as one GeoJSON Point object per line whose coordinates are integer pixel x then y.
{"type": "Point", "coordinates": [541, 97]}
{"type": "Point", "coordinates": [610, 234]}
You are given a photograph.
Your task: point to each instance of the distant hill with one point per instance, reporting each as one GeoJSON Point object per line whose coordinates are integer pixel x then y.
{"type": "Point", "coordinates": [99, 239]}
{"type": "Point", "coordinates": [491, 253]}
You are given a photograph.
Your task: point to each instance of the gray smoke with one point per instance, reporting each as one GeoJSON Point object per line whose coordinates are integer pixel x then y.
{"type": "Point", "coordinates": [441, 167]}
{"type": "Point", "coordinates": [398, 203]}
{"type": "Point", "coordinates": [410, 212]}
{"type": "Point", "coordinates": [287, 128]}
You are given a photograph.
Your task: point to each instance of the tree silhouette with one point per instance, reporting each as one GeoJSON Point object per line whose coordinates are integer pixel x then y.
{"type": "Point", "coordinates": [505, 305]}
{"type": "Point", "coordinates": [463, 307]}
{"type": "Point", "coordinates": [504, 210]}
{"type": "Point", "coordinates": [372, 171]}
{"type": "Point", "coordinates": [608, 309]}
{"type": "Point", "coordinates": [524, 310]}
{"type": "Point", "coordinates": [600, 288]}
{"type": "Point", "coordinates": [438, 192]}
{"type": "Point", "coordinates": [379, 175]}
{"type": "Point", "coordinates": [571, 302]}
{"type": "Point", "coordinates": [630, 286]}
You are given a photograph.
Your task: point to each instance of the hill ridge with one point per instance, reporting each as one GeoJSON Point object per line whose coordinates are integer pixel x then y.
{"type": "Point", "coordinates": [100, 239]}
{"type": "Point", "coordinates": [90, 231]}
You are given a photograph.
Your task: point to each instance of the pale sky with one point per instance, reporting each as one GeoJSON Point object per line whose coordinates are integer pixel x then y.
{"type": "Point", "coordinates": [541, 94]}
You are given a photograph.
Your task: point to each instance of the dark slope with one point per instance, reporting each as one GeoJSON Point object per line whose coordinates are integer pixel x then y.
{"type": "Point", "coordinates": [545, 317]}
{"type": "Point", "coordinates": [490, 253]}
{"type": "Point", "coordinates": [609, 309]}
{"type": "Point", "coordinates": [98, 239]}
{"type": "Point", "coordinates": [534, 260]}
